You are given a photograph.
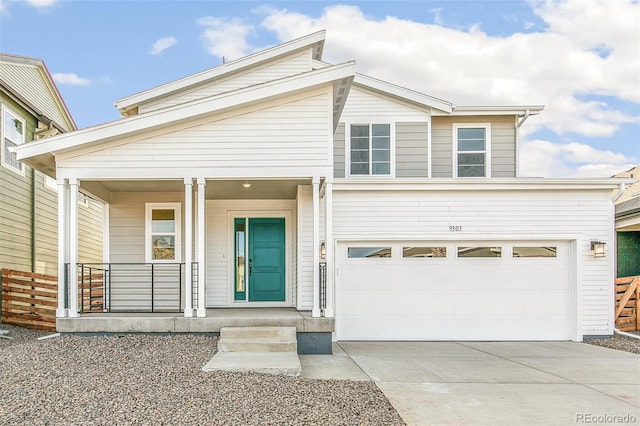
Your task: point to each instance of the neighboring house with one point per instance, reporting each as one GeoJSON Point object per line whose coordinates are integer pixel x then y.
{"type": "Point", "coordinates": [628, 226]}
{"type": "Point", "coordinates": [32, 109]}
{"type": "Point", "coordinates": [240, 186]}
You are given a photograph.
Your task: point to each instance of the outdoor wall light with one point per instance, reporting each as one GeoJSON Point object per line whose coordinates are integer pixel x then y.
{"type": "Point", "coordinates": [597, 247]}
{"type": "Point", "coordinates": [323, 251]}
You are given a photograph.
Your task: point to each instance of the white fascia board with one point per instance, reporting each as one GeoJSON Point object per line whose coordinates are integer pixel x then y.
{"type": "Point", "coordinates": [403, 93]}
{"type": "Point", "coordinates": [497, 110]}
{"type": "Point", "coordinates": [310, 40]}
{"type": "Point", "coordinates": [479, 184]}
{"type": "Point", "coordinates": [187, 111]}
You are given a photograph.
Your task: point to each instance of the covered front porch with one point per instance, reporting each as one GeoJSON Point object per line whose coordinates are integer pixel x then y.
{"type": "Point", "coordinates": [197, 254]}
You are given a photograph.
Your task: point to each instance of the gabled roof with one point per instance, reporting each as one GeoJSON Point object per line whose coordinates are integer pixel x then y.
{"type": "Point", "coordinates": [40, 153]}
{"type": "Point", "coordinates": [28, 82]}
{"type": "Point", "coordinates": [315, 40]}
{"type": "Point", "coordinates": [403, 93]}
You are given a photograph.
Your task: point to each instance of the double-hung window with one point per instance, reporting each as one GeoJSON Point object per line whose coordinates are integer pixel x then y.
{"type": "Point", "coordinates": [162, 232]}
{"type": "Point", "coordinates": [472, 150]}
{"type": "Point", "coordinates": [12, 136]}
{"type": "Point", "coordinates": [370, 149]}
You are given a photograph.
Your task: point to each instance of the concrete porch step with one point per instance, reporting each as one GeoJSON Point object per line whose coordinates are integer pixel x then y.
{"type": "Point", "coordinates": [258, 339]}
{"type": "Point", "coordinates": [286, 363]}
{"type": "Point", "coordinates": [256, 345]}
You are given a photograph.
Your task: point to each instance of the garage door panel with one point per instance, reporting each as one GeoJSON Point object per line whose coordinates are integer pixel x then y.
{"type": "Point", "coordinates": [454, 298]}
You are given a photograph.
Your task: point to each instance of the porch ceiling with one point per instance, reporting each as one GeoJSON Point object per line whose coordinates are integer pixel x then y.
{"type": "Point", "coordinates": [216, 189]}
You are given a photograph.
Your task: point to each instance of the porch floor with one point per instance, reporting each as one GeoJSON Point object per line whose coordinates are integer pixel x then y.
{"type": "Point", "coordinates": [95, 323]}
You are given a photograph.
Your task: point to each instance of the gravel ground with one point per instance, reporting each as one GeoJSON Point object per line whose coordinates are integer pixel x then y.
{"type": "Point", "coordinates": [622, 343]}
{"type": "Point", "coordinates": [158, 380]}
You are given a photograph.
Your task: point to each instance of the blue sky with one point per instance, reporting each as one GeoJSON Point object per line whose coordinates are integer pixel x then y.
{"type": "Point", "coordinates": [580, 58]}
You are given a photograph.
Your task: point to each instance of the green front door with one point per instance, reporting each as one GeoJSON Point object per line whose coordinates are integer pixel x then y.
{"type": "Point", "coordinates": [265, 256]}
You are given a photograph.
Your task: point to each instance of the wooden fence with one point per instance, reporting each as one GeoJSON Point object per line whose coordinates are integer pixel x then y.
{"type": "Point", "coordinates": [628, 303]}
{"type": "Point", "coordinates": [29, 299]}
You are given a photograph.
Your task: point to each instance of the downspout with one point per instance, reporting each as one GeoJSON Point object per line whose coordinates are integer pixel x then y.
{"type": "Point", "coordinates": [518, 124]}
{"type": "Point", "coordinates": [621, 189]}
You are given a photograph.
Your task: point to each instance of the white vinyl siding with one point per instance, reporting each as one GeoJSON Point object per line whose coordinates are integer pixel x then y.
{"type": "Point", "coordinates": [284, 138]}
{"type": "Point", "coordinates": [503, 144]}
{"type": "Point", "coordinates": [527, 215]}
{"type": "Point", "coordinates": [366, 106]}
{"type": "Point", "coordinates": [295, 63]}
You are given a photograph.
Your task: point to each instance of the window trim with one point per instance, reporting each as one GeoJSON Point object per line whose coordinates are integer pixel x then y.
{"type": "Point", "coordinates": [486, 152]}
{"type": "Point", "coordinates": [392, 148]}
{"type": "Point", "coordinates": [5, 164]}
{"type": "Point", "coordinates": [46, 180]}
{"type": "Point", "coordinates": [148, 250]}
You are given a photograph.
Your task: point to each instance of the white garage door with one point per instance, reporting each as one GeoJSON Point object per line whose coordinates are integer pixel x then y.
{"type": "Point", "coordinates": [487, 290]}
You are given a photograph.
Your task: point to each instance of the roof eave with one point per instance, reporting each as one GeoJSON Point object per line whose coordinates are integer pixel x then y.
{"type": "Point", "coordinates": [187, 111]}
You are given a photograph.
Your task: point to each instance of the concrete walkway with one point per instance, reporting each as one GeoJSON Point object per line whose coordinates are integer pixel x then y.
{"type": "Point", "coordinates": [492, 383]}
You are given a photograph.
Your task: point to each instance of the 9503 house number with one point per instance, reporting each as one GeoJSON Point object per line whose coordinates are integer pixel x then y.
{"type": "Point", "coordinates": [455, 228]}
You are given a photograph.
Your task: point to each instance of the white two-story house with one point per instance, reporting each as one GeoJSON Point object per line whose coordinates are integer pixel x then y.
{"type": "Point", "coordinates": [280, 181]}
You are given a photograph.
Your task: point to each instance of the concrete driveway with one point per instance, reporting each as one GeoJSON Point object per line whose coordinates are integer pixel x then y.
{"type": "Point", "coordinates": [492, 383]}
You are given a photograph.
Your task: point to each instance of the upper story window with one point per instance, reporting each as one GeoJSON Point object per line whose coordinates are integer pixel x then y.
{"type": "Point", "coordinates": [13, 128]}
{"type": "Point", "coordinates": [472, 153]}
{"type": "Point", "coordinates": [163, 232]}
{"type": "Point", "coordinates": [370, 149]}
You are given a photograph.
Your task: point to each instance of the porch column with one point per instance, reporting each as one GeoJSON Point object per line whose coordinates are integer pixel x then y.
{"type": "Point", "coordinates": [188, 246]}
{"type": "Point", "coordinates": [328, 234]}
{"type": "Point", "coordinates": [202, 310]}
{"type": "Point", "coordinates": [63, 206]}
{"type": "Point", "coordinates": [316, 247]}
{"type": "Point", "coordinates": [73, 247]}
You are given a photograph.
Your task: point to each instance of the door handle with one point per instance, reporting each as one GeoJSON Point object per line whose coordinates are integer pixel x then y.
{"type": "Point", "coordinates": [250, 266]}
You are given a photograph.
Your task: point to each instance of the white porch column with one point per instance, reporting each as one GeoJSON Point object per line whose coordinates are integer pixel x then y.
{"type": "Point", "coordinates": [63, 206]}
{"type": "Point", "coordinates": [316, 247]}
{"type": "Point", "coordinates": [202, 309]}
{"type": "Point", "coordinates": [73, 247]}
{"type": "Point", "coordinates": [328, 234]}
{"type": "Point", "coordinates": [188, 246]}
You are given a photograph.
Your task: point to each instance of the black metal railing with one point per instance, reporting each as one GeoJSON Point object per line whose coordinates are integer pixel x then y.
{"type": "Point", "coordinates": [134, 287]}
{"type": "Point", "coordinates": [323, 285]}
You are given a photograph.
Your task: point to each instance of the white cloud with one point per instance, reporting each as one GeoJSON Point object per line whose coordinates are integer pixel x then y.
{"type": "Point", "coordinates": [41, 3]}
{"type": "Point", "coordinates": [558, 67]}
{"type": "Point", "coordinates": [548, 159]}
{"type": "Point", "coordinates": [586, 54]}
{"type": "Point", "coordinates": [225, 37]}
{"type": "Point", "coordinates": [71, 79]}
{"type": "Point", "coordinates": [162, 44]}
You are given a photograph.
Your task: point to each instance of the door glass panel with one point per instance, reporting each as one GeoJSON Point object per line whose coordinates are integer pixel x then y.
{"type": "Point", "coordinates": [362, 252]}
{"type": "Point", "coordinates": [240, 238]}
{"type": "Point", "coordinates": [424, 252]}
{"type": "Point", "coordinates": [479, 251]}
{"type": "Point", "coordinates": [535, 252]}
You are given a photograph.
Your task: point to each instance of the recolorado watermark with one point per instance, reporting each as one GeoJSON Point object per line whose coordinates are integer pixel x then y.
{"type": "Point", "coordinates": [591, 418]}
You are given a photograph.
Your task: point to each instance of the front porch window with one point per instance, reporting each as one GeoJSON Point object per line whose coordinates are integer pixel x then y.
{"type": "Point", "coordinates": [162, 236]}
